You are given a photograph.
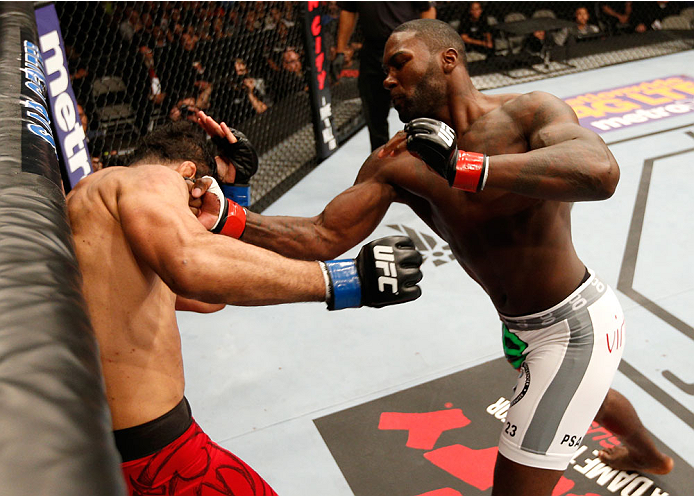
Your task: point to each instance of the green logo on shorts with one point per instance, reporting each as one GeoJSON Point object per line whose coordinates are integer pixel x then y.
{"type": "Point", "coordinates": [513, 347]}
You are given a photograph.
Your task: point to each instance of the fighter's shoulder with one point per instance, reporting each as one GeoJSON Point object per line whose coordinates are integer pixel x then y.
{"type": "Point", "coordinates": [98, 185]}
{"type": "Point", "coordinates": [386, 169]}
{"type": "Point", "coordinates": [537, 107]}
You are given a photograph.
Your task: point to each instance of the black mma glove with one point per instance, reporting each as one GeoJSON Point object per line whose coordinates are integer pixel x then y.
{"type": "Point", "coordinates": [435, 143]}
{"type": "Point", "coordinates": [336, 66]}
{"type": "Point", "coordinates": [242, 155]}
{"type": "Point", "coordinates": [385, 272]}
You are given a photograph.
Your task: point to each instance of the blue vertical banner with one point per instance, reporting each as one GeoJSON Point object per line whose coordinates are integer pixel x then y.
{"type": "Point", "coordinates": [321, 105]}
{"type": "Point", "coordinates": [72, 141]}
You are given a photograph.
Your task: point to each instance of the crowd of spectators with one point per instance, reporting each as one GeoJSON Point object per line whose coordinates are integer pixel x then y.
{"type": "Point", "coordinates": [234, 60]}
{"type": "Point", "coordinates": [238, 60]}
{"type": "Point", "coordinates": [478, 23]}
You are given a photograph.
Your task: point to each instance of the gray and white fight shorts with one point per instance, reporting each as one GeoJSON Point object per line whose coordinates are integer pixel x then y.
{"type": "Point", "coordinates": [567, 357]}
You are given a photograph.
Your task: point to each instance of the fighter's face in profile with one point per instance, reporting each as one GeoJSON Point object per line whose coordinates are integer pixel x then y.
{"type": "Point", "coordinates": [413, 77]}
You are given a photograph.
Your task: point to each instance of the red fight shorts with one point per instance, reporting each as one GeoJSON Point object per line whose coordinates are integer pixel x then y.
{"type": "Point", "coordinates": [193, 465]}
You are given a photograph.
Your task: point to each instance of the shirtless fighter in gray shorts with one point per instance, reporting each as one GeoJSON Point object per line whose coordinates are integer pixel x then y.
{"type": "Point", "coordinates": [495, 177]}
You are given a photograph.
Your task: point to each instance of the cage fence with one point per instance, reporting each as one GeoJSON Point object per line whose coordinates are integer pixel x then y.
{"type": "Point", "coordinates": [137, 65]}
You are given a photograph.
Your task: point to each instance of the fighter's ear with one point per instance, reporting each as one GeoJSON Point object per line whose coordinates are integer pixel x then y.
{"type": "Point", "coordinates": [187, 168]}
{"type": "Point", "coordinates": [450, 59]}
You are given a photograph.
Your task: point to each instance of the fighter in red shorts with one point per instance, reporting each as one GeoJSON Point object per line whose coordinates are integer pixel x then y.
{"type": "Point", "coordinates": [143, 254]}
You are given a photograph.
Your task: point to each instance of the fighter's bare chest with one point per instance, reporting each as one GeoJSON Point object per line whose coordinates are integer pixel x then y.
{"type": "Point", "coordinates": [457, 214]}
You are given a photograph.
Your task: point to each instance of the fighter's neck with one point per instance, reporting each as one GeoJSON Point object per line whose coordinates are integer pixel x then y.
{"type": "Point", "coordinates": [465, 106]}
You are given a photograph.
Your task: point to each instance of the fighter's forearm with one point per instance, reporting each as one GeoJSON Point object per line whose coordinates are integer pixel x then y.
{"type": "Point", "coordinates": [574, 170]}
{"type": "Point", "coordinates": [346, 221]}
{"type": "Point", "coordinates": [217, 269]}
{"type": "Point", "coordinates": [294, 237]}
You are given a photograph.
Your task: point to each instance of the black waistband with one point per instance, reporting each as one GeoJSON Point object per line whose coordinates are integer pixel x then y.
{"type": "Point", "coordinates": [144, 439]}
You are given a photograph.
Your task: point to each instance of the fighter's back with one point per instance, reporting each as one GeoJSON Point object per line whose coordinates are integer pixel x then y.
{"type": "Point", "coordinates": [132, 310]}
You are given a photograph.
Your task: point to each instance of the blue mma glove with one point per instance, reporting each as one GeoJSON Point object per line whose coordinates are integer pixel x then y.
{"type": "Point", "coordinates": [385, 272]}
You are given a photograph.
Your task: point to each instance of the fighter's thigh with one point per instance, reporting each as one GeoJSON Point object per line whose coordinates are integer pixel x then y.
{"type": "Point", "coordinates": [562, 384]}
{"type": "Point", "coordinates": [531, 419]}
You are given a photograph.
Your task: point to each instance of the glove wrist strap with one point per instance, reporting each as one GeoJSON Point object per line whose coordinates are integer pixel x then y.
{"type": "Point", "coordinates": [344, 283]}
{"type": "Point", "coordinates": [326, 278]}
{"type": "Point", "coordinates": [471, 171]}
{"type": "Point", "coordinates": [235, 222]}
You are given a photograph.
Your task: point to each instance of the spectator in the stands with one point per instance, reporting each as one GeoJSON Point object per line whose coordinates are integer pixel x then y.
{"type": "Point", "coordinates": [94, 139]}
{"type": "Point", "coordinates": [206, 32]}
{"type": "Point", "coordinates": [220, 30]}
{"type": "Point", "coordinates": [161, 38]}
{"type": "Point", "coordinates": [82, 82]}
{"type": "Point", "coordinates": [133, 28]}
{"type": "Point", "coordinates": [536, 43]}
{"type": "Point", "coordinates": [292, 78]}
{"type": "Point", "coordinates": [650, 15]}
{"type": "Point", "coordinates": [189, 39]}
{"type": "Point", "coordinates": [185, 108]}
{"type": "Point", "coordinates": [245, 94]}
{"type": "Point", "coordinates": [176, 26]}
{"type": "Point", "coordinates": [233, 22]}
{"type": "Point", "coordinates": [583, 27]}
{"type": "Point", "coordinates": [350, 69]}
{"type": "Point", "coordinates": [274, 49]}
{"type": "Point", "coordinates": [329, 23]}
{"type": "Point", "coordinates": [581, 31]}
{"type": "Point", "coordinates": [156, 95]}
{"type": "Point", "coordinates": [619, 17]}
{"type": "Point", "coordinates": [475, 31]}
{"type": "Point", "coordinates": [147, 25]}
{"type": "Point", "coordinates": [252, 22]}
{"type": "Point", "coordinates": [289, 14]}
{"type": "Point", "coordinates": [272, 19]}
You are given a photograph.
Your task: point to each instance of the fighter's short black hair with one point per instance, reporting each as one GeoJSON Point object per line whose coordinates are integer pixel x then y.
{"type": "Point", "coordinates": [177, 142]}
{"type": "Point", "coordinates": [437, 35]}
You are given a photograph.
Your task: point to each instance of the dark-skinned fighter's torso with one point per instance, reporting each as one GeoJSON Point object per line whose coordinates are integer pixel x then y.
{"type": "Point", "coordinates": [517, 248]}
{"type": "Point", "coordinates": [514, 237]}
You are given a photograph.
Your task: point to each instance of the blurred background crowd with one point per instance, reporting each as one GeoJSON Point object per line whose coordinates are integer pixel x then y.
{"type": "Point", "coordinates": [136, 65]}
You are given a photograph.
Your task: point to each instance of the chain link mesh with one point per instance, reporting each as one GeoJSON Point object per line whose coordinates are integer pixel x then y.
{"type": "Point", "coordinates": [137, 65]}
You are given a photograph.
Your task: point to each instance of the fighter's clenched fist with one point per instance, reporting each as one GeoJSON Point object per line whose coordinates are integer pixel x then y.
{"type": "Point", "coordinates": [435, 142]}
{"type": "Point", "coordinates": [385, 272]}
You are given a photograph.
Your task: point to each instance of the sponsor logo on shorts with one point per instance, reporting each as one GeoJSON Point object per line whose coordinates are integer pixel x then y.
{"type": "Point", "coordinates": [524, 371]}
{"type": "Point", "coordinates": [571, 441]}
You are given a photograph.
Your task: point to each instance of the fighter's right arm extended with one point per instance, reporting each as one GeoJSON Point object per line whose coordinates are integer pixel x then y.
{"type": "Point", "coordinates": [347, 220]}
{"type": "Point", "coordinates": [163, 234]}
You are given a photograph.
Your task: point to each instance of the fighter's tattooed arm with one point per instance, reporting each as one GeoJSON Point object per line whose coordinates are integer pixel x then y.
{"type": "Point", "coordinates": [565, 161]}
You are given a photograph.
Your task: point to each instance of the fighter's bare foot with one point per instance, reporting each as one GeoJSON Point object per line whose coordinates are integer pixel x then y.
{"type": "Point", "coordinates": [621, 458]}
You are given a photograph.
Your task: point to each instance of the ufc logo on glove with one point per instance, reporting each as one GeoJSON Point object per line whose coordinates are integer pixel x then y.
{"type": "Point", "coordinates": [385, 260]}
{"type": "Point", "coordinates": [446, 134]}
{"type": "Point", "coordinates": [391, 262]}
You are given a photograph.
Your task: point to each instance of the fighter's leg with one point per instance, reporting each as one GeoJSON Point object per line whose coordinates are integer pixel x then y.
{"type": "Point", "coordinates": [637, 451]}
{"type": "Point", "coordinates": [514, 479]}
{"type": "Point", "coordinates": [566, 369]}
